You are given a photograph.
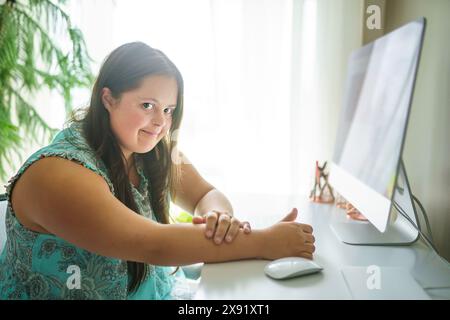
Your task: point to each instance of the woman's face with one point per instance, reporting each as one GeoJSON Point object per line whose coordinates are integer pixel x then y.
{"type": "Point", "coordinates": [141, 117]}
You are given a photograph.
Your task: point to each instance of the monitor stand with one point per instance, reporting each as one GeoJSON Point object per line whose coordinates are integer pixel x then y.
{"type": "Point", "coordinates": [399, 231]}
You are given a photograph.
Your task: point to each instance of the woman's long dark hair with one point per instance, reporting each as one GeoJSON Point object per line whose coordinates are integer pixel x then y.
{"type": "Point", "coordinates": [123, 70]}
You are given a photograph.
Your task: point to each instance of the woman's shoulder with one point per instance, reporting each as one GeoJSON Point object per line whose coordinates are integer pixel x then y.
{"type": "Point", "coordinates": [70, 144]}
{"type": "Point", "coordinates": [67, 145]}
{"type": "Point", "coordinates": [51, 169]}
{"type": "Point", "coordinates": [71, 141]}
{"type": "Point", "coordinates": [76, 205]}
{"type": "Point", "coordinates": [67, 155]}
{"type": "Point", "coordinates": [47, 174]}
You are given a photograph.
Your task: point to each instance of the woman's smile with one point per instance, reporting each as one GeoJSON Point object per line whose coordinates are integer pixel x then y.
{"type": "Point", "coordinates": [150, 134]}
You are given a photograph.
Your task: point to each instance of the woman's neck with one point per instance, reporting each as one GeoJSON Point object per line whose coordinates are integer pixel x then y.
{"type": "Point", "coordinates": [129, 162]}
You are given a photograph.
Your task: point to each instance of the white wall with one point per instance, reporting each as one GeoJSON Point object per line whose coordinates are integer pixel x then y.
{"type": "Point", "coordinates": [320, 54]}
{"type": "Point", "coordinates": [427, 151]}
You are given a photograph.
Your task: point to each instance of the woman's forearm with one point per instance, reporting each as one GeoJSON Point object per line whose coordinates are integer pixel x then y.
{"type": "Point", "coordinates": [213, 200]}
{"type": "Point", "coordinates": [183, 244]}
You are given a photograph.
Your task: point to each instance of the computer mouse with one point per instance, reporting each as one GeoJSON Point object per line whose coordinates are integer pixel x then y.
{"type": "Point", "coordinates": [291, 267]}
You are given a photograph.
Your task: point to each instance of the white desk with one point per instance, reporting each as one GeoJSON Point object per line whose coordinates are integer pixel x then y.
{"type": "Point", "coordinates": [246, 279]}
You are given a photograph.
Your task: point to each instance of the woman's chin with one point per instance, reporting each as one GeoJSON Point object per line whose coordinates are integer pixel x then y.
{"type": "Point", "coordinates": [144, 147]}
{"type": "Point", "coordinates": [145, 143]}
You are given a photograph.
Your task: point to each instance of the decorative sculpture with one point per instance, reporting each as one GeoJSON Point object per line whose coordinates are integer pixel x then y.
{"type": "Point", "coordinates": [322, 191]}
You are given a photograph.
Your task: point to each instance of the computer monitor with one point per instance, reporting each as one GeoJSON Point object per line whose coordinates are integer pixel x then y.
{"type": "Point", "coordinates": [367, 167]}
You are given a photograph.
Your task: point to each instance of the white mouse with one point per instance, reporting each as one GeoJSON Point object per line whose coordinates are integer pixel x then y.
{"type": "Point", "coordinates": [290, 267]}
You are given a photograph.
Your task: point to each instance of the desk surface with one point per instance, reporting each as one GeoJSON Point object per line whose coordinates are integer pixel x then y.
{"type": "Point", "coordinates": [246, 279]}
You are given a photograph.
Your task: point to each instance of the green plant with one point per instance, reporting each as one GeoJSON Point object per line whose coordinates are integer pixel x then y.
{"type": "Point", "coordinates": [39, 48]}
{"type": "Point", "coordinates": [184, 217]}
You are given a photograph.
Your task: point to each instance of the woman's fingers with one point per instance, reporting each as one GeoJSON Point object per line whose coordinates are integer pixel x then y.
{"type": "Point", "coordinates": [233, 230]}
{"type": "Point", "coordinates": [309, 238]}
{"type": "Point", "coordinates": [222, 228]}
{"type": "Point", "coordinates": [246, 226]}
{"type": "Point", "coordinates": [306, 255]}
{"type": "Point", "coordinates": [307, 228]}
{"type": "Point", "coordinates": [291, 216]}
{"type": "Point", "coordinates": [198, 220]}
{"type": "Point", "coordinates": [309, 248]}
{"type": "Point", "coordinates": [211, 221]}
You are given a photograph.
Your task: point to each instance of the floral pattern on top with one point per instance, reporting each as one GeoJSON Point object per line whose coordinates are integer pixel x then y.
{"type": "Point", "coordinates": [40, 266]}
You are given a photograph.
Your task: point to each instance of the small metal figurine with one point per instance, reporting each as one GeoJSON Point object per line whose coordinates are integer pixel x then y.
{"type": "Point", "coordinates": [322, 191]}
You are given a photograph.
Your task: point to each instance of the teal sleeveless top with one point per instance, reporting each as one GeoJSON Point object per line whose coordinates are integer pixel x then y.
{"type": "Point", "coordinates": [41, 266]}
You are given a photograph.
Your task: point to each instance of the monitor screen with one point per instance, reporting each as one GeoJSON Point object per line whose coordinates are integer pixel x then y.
{"type": "Point", "coordinates": [373, 120]}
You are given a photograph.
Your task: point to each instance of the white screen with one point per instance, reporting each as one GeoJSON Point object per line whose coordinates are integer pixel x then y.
{"type": "Point", "coordinates": [374, 115]}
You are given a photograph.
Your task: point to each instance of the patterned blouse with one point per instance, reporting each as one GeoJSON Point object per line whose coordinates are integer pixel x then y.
{"type": "Point", "coordinates": [42, 266]}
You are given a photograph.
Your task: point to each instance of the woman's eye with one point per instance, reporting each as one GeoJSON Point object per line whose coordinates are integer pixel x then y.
{"type": "Point", "coordinates": [169, 110]}
{"type": "Point", "coordinates": [147, 105]}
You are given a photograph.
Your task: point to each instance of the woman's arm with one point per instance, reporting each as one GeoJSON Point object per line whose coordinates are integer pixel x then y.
{"type": "Point", "coordinates": [213, 200]}
{"type": "Point", "coordinates": [209, 205]}
{"type": "Point", "coordinates": [76, 204]}
{"type": "Point", "coordinates": [191, 188]}
{"type": "Point", "coordinates": [184, 243]}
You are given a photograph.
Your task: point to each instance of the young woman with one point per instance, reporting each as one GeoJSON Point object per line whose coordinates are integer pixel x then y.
{"type": "Point", "coordinates": [88, 215]}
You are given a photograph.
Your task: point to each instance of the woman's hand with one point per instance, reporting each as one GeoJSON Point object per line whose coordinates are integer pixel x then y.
{"type": "Point", "coordinates": [221, 226]}
{"type": "Point", "coordinates": [289, 239]}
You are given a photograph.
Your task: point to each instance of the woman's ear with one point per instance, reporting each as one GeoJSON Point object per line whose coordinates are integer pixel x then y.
{"type": "Point", "coordinates": [107, 99]}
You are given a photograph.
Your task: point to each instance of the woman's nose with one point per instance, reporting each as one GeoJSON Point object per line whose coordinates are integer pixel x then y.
{"type": "Point", "coordinates": [158, 118]}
